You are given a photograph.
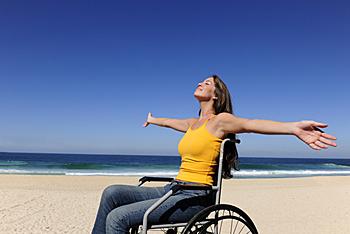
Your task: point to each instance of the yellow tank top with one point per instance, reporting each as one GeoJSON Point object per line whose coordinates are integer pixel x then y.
{"type": "Point", "coordinates": [199, 150]}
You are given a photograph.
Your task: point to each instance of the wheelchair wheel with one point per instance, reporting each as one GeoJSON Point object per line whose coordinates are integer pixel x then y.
{"type": "Point", "coordinates": [220, 218]}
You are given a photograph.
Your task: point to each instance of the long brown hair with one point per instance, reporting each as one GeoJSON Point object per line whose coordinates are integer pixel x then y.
{"type": "Point", "coordinates": [223, 103]}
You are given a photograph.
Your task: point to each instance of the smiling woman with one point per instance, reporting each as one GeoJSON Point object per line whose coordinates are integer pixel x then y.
{"type": "Point", "coordinates": [123, 207]}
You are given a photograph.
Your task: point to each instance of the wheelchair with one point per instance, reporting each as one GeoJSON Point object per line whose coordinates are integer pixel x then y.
{"type": "Point", "coordinates": [215, 219]}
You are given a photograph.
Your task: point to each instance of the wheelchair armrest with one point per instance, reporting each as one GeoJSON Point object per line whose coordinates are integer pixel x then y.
{"type": "Point", "coordinates": [157, 179]}
{"type": "Point", "coordinates": [190, 187]}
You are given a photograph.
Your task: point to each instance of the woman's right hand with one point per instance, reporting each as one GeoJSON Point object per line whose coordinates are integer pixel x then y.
{"type": "Point", "coordinates": [149, 118]}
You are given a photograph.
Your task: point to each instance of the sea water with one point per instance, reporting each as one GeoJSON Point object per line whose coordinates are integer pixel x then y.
{"type": "Point", "coordinates": [140, 165]}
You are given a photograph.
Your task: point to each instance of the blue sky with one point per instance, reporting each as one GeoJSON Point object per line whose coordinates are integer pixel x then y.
{"type": "Point", "coordinates": [80, 77]}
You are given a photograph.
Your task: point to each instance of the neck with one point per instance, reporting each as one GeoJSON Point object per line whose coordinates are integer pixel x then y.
{"type": "Point", "coordinates": [207, 110]}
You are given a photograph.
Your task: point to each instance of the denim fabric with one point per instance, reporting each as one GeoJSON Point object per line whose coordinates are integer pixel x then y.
{"type": "Point", "coordinates": [123, 206]}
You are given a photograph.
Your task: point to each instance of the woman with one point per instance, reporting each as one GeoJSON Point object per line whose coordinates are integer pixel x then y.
{"type": "Point", "coordinates": [123, 207]}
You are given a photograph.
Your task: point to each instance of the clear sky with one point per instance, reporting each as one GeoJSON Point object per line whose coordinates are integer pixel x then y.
{"type": "Point", "coordinates": [81, 76]}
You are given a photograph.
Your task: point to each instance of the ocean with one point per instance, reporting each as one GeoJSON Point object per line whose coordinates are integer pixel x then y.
{"type": "Point", "coordinates": [136, 165]}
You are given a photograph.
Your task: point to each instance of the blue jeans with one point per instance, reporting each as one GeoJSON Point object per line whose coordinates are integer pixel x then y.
{"type": "Point", "coordinates": [123, 206]}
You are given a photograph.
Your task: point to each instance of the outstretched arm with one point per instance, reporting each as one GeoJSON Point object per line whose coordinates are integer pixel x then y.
{"type": "Point", "coordinates": [181, 125]}
{"type": "Point", "coordinates": [307, 131]}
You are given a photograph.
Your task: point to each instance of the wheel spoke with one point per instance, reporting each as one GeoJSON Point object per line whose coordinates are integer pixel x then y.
{"type": "Point", "coordinates": [241, 230]}
{"type": "Point", "coordinates": [222, 222]}
{"type": "Point", "coordinates": [231, 225]}
{"type": "Point", "coordinates": [235, 226]}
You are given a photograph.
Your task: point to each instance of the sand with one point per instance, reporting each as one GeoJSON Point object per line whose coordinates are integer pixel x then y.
{"type": "Point", "coordinates": [68, 204]}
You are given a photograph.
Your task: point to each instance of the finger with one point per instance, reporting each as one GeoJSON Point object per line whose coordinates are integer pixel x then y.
{"type": "Point", "coordinates": [328, 142]}
{"type": "Point", "coordinates": [318, 124]}
{"type": "Point", "coordinates": [326, 135]}
{"type": "Point", "coordinates": [321, 145]}
{"type": "Point", "coordinates": [317, 129]}
{"type": "Point", "coordinates": [315, 147]}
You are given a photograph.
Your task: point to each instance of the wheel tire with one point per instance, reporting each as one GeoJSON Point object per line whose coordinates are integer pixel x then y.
{"type": "Point", "coordinates": [210, 217]}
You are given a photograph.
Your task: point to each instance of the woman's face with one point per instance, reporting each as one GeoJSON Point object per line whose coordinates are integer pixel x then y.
{"type": "Point", "coordinates": [205, 90]}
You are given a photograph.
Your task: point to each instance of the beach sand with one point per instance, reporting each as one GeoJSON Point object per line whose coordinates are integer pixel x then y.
{"type": "Point", "coordinates": [68, 204]}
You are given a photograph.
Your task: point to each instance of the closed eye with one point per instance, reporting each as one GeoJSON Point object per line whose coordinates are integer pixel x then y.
{"type": "Point", "coordinates": [206, 82]}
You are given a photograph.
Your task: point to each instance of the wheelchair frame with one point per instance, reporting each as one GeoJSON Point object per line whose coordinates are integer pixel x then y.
{"type": "Point", "coordinates": [216, 189]}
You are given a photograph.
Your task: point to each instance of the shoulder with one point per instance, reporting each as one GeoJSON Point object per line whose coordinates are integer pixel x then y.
{"type": "Point", "coordinates": [191, 121]}
{"type": "Point", "coordinates": [221, 119]}
{"type": "Point", "coordinates": [229, 123]}
{"type": "Point", "coordinates": [224, 116]}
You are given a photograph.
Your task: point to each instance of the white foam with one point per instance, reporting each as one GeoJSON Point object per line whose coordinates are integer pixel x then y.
{"type": "Point", "coordinates": [83, 173]}
{"type": "Point", "coordinates": [333, 165]}
{"type": "Point", "coordinates": [123, 173]}
{"type": "Point", "coordinates": [281, 173]}
{"type": "Point", "coordinates": [238, 174]}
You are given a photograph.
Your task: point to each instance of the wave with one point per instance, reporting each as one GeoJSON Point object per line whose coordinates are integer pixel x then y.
{"type": "Point", "coordinates": [287, 173]}
{"type": "Point", "coordinates": [12, 163]}
{"type": "Point", "coordinates": [30, 172]}
{"type": "Point", "coordinates": [294, 166]}
{"type": "Point", "coordinates": [125, 172]}
{"type": "Point", "coordinates": [333, 165]}
{"type": "Point", "coordinates": [160, 173]}
{"type": "Point", "coordinates": [236, 174]}
{"type": "Point", "coordinates": [49, 166]}
{"type": "Point", "coordinates": [85, 166]}
{"type": "Point", "coordinates": [140, 166]}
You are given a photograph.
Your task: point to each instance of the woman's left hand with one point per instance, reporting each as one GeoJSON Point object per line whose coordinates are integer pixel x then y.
{"type": "Point", "coordinates": [309, 132]}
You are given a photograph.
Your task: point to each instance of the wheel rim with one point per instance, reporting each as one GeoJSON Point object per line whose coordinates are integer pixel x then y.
{"type": "Point", "coordinates": [221, 219]}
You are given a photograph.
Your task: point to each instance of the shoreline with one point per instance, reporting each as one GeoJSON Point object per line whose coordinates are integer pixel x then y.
{"type": "Point", "coordinates": [57, 204]}
{"type": "Point", "coordinates": [74, 175]}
